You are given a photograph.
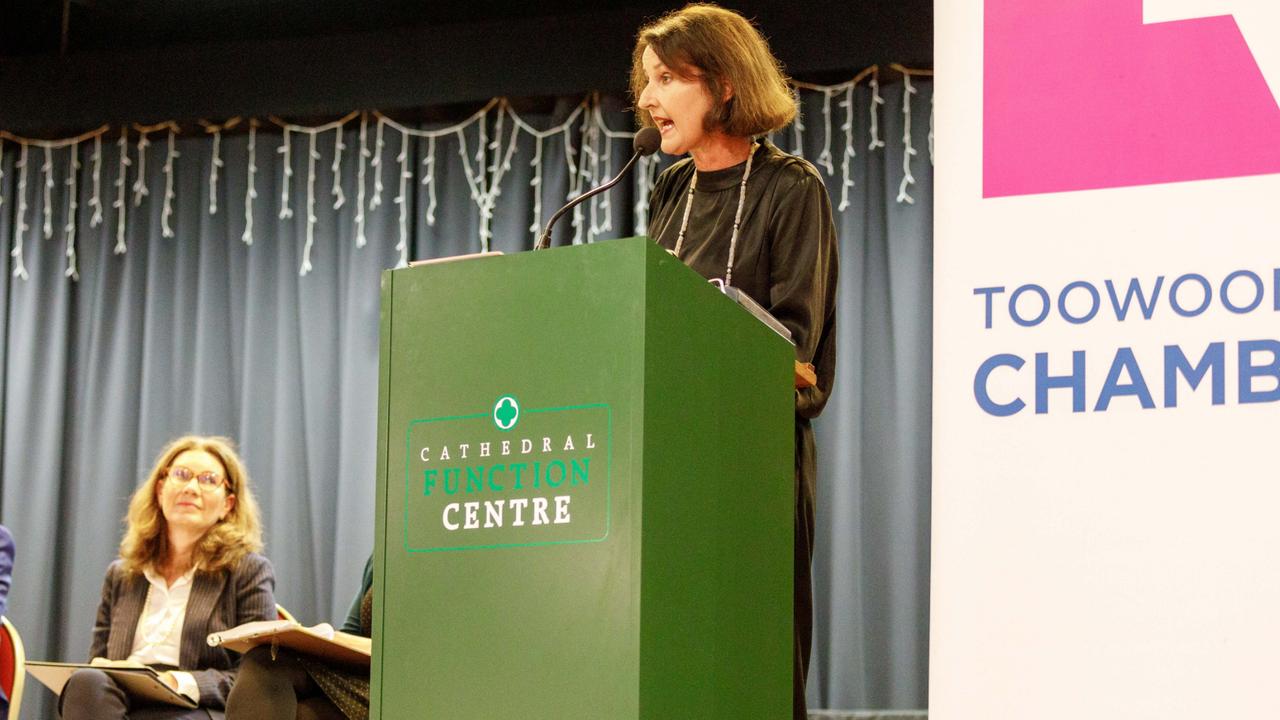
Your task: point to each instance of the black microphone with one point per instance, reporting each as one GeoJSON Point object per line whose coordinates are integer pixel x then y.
{"type": "Point", "coordinates": [646, 143]}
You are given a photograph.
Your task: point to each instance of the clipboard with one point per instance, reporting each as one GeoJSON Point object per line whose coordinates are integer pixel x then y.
{"type": "Point", "coordinates": [140, 682]}
{"type": "Point", "coordinates": [319, 641]}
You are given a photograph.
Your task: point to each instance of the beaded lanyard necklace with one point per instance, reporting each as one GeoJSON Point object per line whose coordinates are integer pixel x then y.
{"type": "Point", "coordinates": [737, 216]}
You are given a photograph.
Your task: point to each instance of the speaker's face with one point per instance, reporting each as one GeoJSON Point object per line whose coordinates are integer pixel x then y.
{"type": "Point", "coordinates": [678, 105]}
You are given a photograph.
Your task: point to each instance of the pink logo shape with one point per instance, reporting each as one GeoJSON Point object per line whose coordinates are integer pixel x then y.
{"type": "Point", "coordinates": [1080, 94]}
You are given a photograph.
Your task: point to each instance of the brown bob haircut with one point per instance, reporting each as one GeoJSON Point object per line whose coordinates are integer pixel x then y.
{"type": "Point", "coordinates": [146, 537]}
{"type": "Point", "coordinates": [724, 50]}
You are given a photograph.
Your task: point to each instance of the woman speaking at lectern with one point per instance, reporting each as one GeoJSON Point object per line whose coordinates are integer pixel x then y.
{"type": "Point", "coordinates": [741, 210]}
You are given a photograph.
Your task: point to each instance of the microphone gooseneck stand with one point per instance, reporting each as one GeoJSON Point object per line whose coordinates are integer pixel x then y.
{"type": "Point", "coordinates": [646, 143]}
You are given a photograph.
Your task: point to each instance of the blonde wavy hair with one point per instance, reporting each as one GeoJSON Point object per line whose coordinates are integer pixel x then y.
{"type": "Point", "coordinates": [146, 537]}
{"type": "Point", "coordinates": [724, 50]}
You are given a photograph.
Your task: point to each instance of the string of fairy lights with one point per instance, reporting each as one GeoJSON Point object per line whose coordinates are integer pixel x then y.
{"type": "Point", "coordinates": [487, 143]}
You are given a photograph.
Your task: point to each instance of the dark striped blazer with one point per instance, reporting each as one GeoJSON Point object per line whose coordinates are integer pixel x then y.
{"type": "Point", "coordinates": [219, 600]}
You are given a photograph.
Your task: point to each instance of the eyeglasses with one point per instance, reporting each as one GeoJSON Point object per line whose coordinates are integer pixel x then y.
{"type": "Point", "coordinates": [208, 480]}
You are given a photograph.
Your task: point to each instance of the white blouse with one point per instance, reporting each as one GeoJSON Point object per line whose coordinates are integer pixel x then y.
{"type": "Point", "coordinates": [158, 637]}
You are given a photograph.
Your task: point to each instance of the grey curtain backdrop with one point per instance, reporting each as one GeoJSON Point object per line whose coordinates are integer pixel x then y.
{"type": "Point", "coordinates": [203, 333]}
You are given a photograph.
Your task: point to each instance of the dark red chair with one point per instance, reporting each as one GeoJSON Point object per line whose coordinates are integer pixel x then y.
{"type": "Point", "coordinates": [13, 666]}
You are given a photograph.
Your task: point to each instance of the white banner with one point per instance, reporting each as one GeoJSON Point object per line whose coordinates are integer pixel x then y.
{"type": "Point", "coordinates": [1106, 513]}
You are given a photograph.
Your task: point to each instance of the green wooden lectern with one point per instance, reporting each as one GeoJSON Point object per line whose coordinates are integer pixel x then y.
{"type": "Point", "coordinates": [585, 493]}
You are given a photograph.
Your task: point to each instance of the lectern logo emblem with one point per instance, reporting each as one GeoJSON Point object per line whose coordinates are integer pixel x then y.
{"type": "Point", "coordinates": [506, 411]}
{"type": "Point", "coordinates": [508, 476]}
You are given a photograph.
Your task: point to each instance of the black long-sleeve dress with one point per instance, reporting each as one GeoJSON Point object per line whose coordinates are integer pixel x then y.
{"type": "Point", "coordinates": [786, 259]}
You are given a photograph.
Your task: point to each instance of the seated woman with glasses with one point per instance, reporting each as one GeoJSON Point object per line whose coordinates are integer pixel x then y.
{"type": "Point", "coordinates": [188, 566]}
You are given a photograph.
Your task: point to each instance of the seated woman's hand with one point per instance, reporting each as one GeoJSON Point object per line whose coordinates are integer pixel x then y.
{"type": "Point", "coordinates": [168, 677]}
